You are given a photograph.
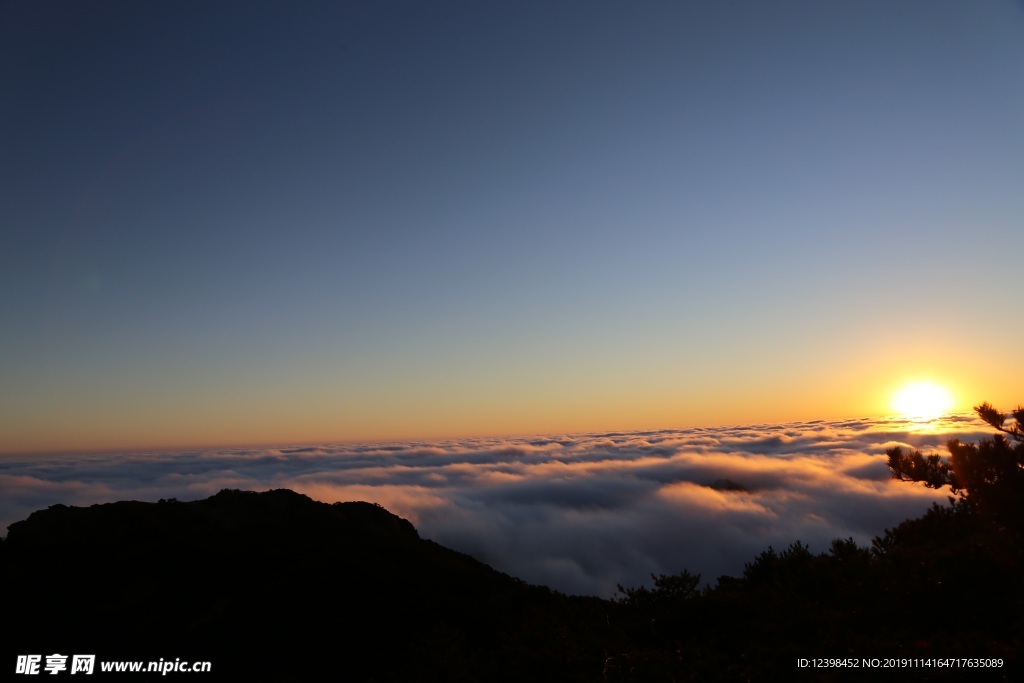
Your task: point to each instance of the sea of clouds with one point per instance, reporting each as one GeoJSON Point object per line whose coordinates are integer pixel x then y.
{"type": "Point", "coordinates": [580, 513]}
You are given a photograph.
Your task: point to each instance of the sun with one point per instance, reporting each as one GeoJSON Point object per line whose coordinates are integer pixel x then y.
{"type": "Point", "coordinates": [922, 401]}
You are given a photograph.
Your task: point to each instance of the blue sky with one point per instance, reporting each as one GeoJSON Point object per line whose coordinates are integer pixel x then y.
{"type": "Point", "coordinates": [259, 222]}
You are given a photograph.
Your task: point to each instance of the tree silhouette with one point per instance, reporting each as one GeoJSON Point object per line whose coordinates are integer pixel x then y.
{"type": "Point", "coordinates": [987, 476]}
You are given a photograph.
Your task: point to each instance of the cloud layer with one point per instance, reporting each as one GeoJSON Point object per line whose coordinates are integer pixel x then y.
{"type": "Point", "coordinates": [580, 513]}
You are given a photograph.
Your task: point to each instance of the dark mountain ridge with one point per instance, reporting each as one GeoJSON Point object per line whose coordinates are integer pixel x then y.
{"type": "Point", "coordinates": [276, 586]}
{"type": "Point", "coordinates": [266, 585]}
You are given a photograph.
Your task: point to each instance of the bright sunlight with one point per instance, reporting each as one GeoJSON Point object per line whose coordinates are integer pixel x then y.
{"type": "Point", "coordinates": [922, 401]}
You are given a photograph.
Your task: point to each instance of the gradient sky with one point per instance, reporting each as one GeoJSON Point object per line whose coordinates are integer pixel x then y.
{"type": "Point", "coordinates": [228, 222]}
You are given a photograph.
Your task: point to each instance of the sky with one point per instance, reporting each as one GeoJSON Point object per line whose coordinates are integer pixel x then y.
{"type": "Point", "coordinates": [228, 223]}
{"type": "Point", "coordinates": [581, 513]}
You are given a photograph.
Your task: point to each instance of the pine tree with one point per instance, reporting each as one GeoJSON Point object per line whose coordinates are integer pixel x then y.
{"type": "Point", "coordinates": [988, 476]}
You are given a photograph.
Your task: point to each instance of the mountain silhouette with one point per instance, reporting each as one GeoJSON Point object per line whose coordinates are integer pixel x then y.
{"type": "Point", "coordinates": [275, 586]}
